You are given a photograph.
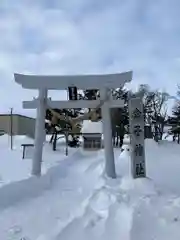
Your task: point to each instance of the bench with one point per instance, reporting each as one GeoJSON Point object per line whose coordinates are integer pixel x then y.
{"type": "Point", "coordinates": [25, 147]}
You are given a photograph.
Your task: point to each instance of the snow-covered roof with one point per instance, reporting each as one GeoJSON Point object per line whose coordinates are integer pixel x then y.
{"type": "Point", "coordinates": [91, 127]}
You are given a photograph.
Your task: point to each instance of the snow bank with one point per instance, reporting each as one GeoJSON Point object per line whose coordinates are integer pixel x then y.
{"type": "Point", "coordinates": [80, 202]}
{"type": "Point", "coordinates": [33, 186]}
{"type": "Point", "coordinates": [13, 168]}
{"type": "Point", "coordinates": [64, 202]}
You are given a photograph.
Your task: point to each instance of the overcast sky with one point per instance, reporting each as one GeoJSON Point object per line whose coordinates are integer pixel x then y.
{"type": "Point", "coordinates": [88, 36]}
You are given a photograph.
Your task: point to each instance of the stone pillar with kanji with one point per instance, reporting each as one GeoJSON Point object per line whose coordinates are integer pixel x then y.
{"type": "Point", "coordinates": [136, 127]}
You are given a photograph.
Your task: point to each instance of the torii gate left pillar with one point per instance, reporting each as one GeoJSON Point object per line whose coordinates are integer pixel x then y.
{"type": "Point", "coordinates": [39, 129]}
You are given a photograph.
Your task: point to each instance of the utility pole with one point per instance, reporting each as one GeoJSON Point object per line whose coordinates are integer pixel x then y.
{"type": "Point", "coordinates": [11, 128]}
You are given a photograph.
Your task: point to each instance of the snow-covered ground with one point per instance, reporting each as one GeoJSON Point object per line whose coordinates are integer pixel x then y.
{"type": "Point", "coordinates": [74, 200]}
{"type": "Point", "coordinates": [14, 168]}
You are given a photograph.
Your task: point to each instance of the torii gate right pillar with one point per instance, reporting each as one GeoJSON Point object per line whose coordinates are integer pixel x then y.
{"type": "Point", "coordinates": [107, 131]}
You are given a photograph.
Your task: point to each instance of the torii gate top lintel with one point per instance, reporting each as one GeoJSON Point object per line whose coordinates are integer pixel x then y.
{"type": "Point", "coordinates": [80, 81]}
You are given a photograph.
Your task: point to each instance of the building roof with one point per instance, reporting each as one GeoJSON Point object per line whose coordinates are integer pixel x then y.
{"type": "Point", "coordinates": [16, 114]}
{"type": "Point", "coordinates": [25, 113]}
{"type": "Point", "coordinates": [91, 127]}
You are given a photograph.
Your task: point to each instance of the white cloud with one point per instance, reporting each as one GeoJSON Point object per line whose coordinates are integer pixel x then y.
{"type": "Point", "coordinates": [76, 36]}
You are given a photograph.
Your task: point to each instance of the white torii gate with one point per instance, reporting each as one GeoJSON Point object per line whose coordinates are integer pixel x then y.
{"type": "Point", "coordinates": [44, 83]}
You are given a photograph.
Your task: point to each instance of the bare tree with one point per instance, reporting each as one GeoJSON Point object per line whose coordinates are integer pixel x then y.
{"type": "Point", "coordinates": [147, 95]}
{"type": "Point", "coordinates": [160, 116]}
{"type": "Point", "coordinates": [155, 109]}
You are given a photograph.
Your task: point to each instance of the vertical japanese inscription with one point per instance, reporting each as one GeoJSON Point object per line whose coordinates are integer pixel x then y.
{"type": "Point", "coordinates": [136, 123]}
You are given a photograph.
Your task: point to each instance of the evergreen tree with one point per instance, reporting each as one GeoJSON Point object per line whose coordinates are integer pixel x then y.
{"type": "Point", "coordinates": [174, 121]}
